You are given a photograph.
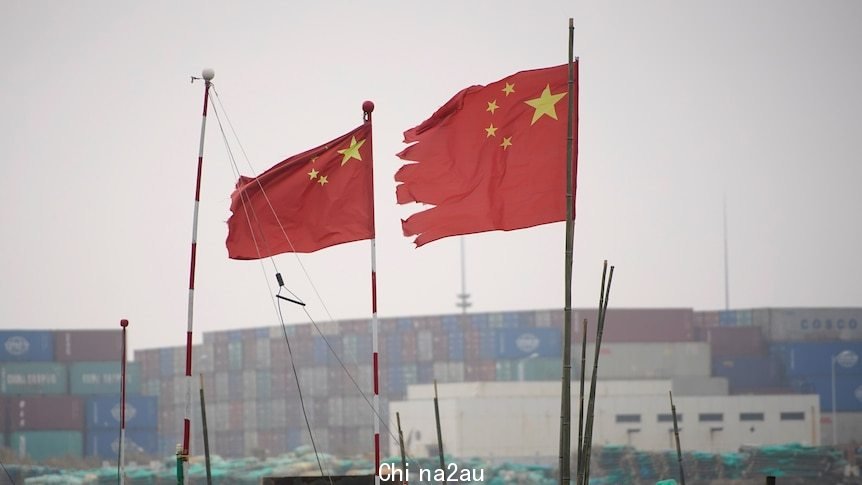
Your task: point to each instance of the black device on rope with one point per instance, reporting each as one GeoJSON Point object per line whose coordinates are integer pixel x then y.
{"type": "Point", "coordinates": [282, 297]}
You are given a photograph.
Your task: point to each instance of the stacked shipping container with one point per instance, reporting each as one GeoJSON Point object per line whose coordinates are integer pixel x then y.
{"type": "Point", "coordinates": [49, 378]}
{"type": "Point", "coordinates": [252, 395]}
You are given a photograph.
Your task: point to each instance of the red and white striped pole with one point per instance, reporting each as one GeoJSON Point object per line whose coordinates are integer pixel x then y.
{"type": "Point", "coordinates": [123, 323]}
{"type": "Point", "coordinates": [207, 75]}
{"type": "Point", "coordinates": [367, 109]}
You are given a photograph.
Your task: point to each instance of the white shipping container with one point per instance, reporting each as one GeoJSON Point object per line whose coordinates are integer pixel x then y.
{"type": "Point", "coordinates": [456, 372]}
{"type": "Point", "coordinates": [649, 360]}
{"type": "Point", "coordinates": [424, 346]}
{"type": "Point", "coordinates": [848, 427]}
{"type": "Point", "coordinates": [204, 358]}
{"type": "Point", "coordinates": [804, 324]}
{"type": "Point", "coordinates": [263, 353]}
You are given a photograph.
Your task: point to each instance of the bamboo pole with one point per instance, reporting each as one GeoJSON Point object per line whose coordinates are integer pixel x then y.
{"type": "Point", "coordinates": [588, 438]}
{"type": "Point", "coordinates": [439, 431]}
{"type": "Point", "coordinates": [401, 445]}
{"type": "Point", "coordinates": [206, 433]}
{"type": "Point", "coordinates": [581, 401]}
{"type": "Point", "coordinates": [676, 436]}
{"type": "Point", "coordinates": [566, 394]}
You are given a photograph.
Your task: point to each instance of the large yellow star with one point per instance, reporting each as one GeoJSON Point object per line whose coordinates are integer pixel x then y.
{"type": "Point", "coordinates": [544, 104]}
{"type": "Point", "coordinates": [322, 180]}
{"type": "Point", "coordinates": [491, 130]}
{"type": "Point", "coordinates": [352, 151]}
{"type": "Point", "coordinates": [509, 89]}
{"type": "Point", "coordinates": [507, 142]}
{"type": "Point", "coordinates": [492, 106]}
{"type": "Point", "coordinates": [313, 174]}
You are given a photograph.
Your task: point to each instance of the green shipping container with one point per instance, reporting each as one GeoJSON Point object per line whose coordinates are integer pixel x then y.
{"type": "Point", "coordinates": [87, 378]}
{"type": "Point", "coordinates": [541, 369]}
{"type": "Point", "coordinates": [33, 378]}
{"type": "Point", "coordinates": [42, 445]}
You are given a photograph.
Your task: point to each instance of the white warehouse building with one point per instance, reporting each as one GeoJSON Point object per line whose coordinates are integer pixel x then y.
{"type": "Point", "coordinates": [521, 420]}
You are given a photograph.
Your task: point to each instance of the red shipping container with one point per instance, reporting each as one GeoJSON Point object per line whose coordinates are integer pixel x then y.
{"type": "Point", "coordinates": [735, 341]}
{"type": "Point", "coordinates": [45, 412]}
{"type": "Point", "coordinates": [440, 347]}
{"type": "Point", "coordinates": [637, 325]}
{"type": "Point", "coordinates": [235, 416]}
{"type": "Point", "coordinates": [88, 345]}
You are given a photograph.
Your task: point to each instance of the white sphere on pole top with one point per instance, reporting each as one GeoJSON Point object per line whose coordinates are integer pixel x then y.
{"type": "Point", "coordinates": [208, 74]}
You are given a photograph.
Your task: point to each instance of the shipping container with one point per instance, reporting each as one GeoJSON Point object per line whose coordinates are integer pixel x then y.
{"type": "Point", "coordinates": [848, 391]}
{"type": "Point", "coordinates": [33, 378]}
{"type": "Point", "coordinates": [43, 445]}
{"type": "Point", "coordinates": [815, 358]}
{"type": "Point", "coordinates": [528, 343]}
{"type": "Point", "coordinates": [45, 413]}
{"type": "Point", "coordinates": [648, 360]}
{"type": "Point", "coordinates": [848, 427]}
{"type": "Point", "coordinates": [26, 346]}
{"type": "Point", "coordinates": [636, 325]}
{"type": "Point", "coordinates": [746, 374]}
{"type": "Point", "coordinates": [87, 345]}
{"type": "Point", "coordinates": [103, 378]}
{"type": "Point", "coordinates": [105, 412]}
{"type": "Point", "coordinates": [735, 341]}
{"type": "Point", "coordinates": [804, 324]}
{"type": "Point", "coordinates": [105, 444]}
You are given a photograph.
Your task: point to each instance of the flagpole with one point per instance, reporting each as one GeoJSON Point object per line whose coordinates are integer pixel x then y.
{"type": "Point", "coordinates": [207, 75]}
{"type": "Point", "coordinates": [122, 472]}
{"type": "Point", "coordinates": [566, 397]}
{"type": "Point", "coordinates": [367, 109]}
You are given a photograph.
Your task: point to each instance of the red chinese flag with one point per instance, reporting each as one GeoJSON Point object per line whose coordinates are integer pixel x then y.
{"type": "Point", "coordinates": [310, 201]}
{"type": "Point", "coordinates": [492, 158]}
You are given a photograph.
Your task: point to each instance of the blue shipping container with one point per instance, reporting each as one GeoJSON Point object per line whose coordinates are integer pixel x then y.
{"type": "Point", "coordinates": [802, 359]}
{"type": "Point", "coordinates": [749, 373]}
{"type": "Point", "coordinates": [103, 412]}
{"type": "Point", "coordinates": [513, 343]}
{"type": "Point", "coordinates": [26, 346]}
{"type": "Point", "coordinates": [848, 391]}
{"type": "Point", "coordinates": [105, 443]}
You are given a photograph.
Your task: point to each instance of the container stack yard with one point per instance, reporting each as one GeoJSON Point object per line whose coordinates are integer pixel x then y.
{"type": "Point", "coordinates": [60, 395]}
{"type": "Point", "coordinates": [253, 402]}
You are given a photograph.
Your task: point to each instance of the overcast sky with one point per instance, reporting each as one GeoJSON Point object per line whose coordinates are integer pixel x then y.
{"type": "Point", "coordinates": [681, 103]}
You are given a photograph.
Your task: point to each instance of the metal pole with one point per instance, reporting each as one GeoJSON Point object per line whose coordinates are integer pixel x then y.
{"type": "Point", "coordinates": [834, 416]}
{"type": "Point", "coordinates": [122, 472]}
{"type": "Point", "coordinates": [206, 433]}
{"type": "Point", "coordinates": [403, 453]}
{"type": "Point", "coordinates": [726, 277]}
{"type": "Point", "coordinates": [676, 435]}
{"type": "Point", "coordinates": [571, 160]}
{"type": "Point", "coordinates": [439, 431]}
{"type": "Point", "coordinates": [207, 75]}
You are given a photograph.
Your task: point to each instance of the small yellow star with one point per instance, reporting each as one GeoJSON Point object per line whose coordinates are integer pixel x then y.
{"type": "Point", "coordinates": [492, 106]}
{"type": "Point", "coordinates": [352, 151]}
{"type": "Point", "coordinates": [313, 174]}
{"type": "Point", "coordinates": [314, 159]}
{"type": "Point", "coordinates": [491, 130]}
{"type": "Point", "coordinates": [544, 104]}
{"type": "Point", "coordinates": [322, 180]}
{"type": "Point", "coordinates": [507, 142]}
{"type": "Point", "coordinates": [509, 89]}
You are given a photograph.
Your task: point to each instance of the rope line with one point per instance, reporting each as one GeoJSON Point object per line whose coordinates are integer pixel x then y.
{"type": "Point", "coordinates": [253, 217]}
